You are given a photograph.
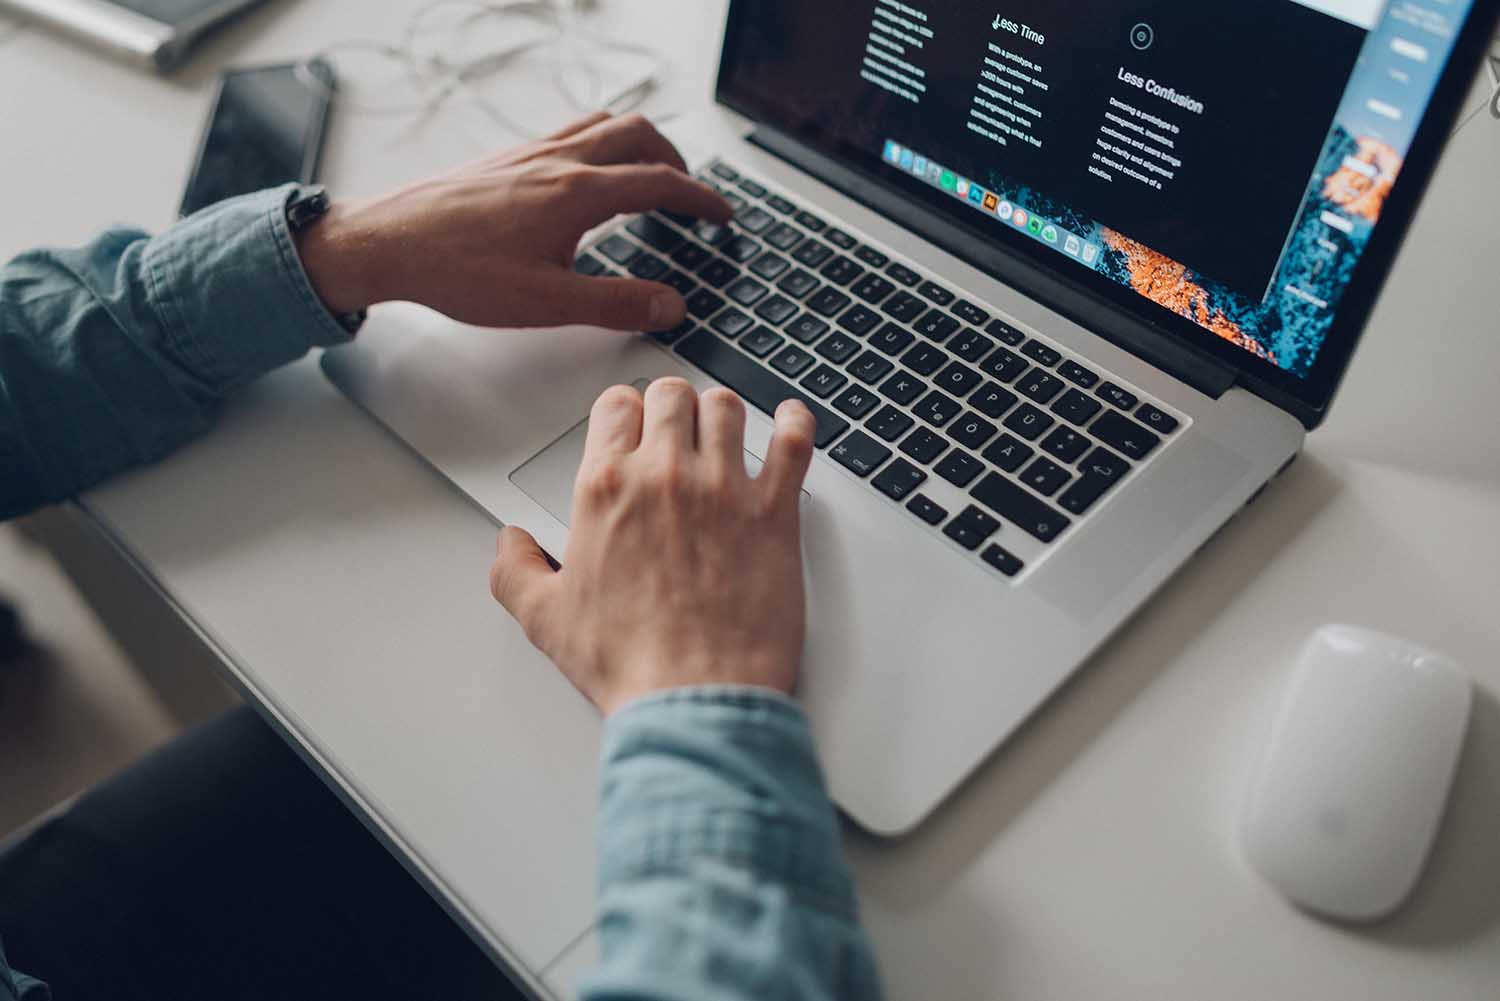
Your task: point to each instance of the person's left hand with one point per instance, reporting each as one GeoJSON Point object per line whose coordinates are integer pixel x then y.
{"type": "Point", "coordinates": [492, 243]}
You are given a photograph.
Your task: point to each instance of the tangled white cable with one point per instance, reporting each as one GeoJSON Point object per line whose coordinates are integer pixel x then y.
{"type": "Point", "coordinates": [430, 76]}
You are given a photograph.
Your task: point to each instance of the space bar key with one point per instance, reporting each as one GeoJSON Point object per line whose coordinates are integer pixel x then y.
{"type": "Point", "coordinates": [758, 385]}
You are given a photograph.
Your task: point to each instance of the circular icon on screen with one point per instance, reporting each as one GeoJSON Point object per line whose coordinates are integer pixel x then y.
{"type": "Point", "coordinates": [1142, 35]}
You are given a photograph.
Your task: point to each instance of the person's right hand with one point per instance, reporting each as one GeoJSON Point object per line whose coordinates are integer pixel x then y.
{"type": "Point", "coordinates": [680, 569]}
{"type": "Point", "coordinates": [492, 243]}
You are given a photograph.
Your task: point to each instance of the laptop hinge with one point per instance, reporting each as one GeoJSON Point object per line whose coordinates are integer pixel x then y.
{"type": "Point", "coordinates": [1154, 345]}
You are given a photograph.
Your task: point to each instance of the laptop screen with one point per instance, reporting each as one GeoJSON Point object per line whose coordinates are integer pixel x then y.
{"type": "Point", "coordinates": [1223, 162]}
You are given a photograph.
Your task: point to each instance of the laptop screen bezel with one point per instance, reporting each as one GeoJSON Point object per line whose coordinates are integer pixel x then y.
{"type": "Point", "coordinates": [1128, 318]}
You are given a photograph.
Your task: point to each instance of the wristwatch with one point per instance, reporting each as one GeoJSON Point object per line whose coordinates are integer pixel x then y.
{"type": "Point", "coordinates": [309, 204]}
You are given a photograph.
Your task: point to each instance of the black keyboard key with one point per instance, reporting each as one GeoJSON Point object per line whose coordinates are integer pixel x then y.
{"type": "Point", "coordinates": [870, 367]}
{"type": "Point", "coordinates": [924, 359]}
{"type": "Point", "coordinates": [824, 381]}
{"type": "Point", "coordinates": [827, 301]}
{"type": "Point", "coordinates": [1008, 453]}
{"type": "Point", "coordinates": [1039, 385]}
{"type": "Point", "coordinates": [899, 479]}
{"type": "Point", "coordinates": [924, 445]}
{"type": "Point", "coordinates": [971, 430]}
{"type": "Point", "coordinates": [793, 361]}
{"type": "Point", "coordinates": [1040, 353]}
{"type": "Point", "coordinates": [903, 275]}
{"type": "Point", "coordinates": [1028, 422]}
{"type": "Point", "coordinates": [711, 233]}
{"type": "Point", "coordinates": [903, 387]}
{"type": "Point", "coordinates": [936, 326]}
{"type": "Point", "coordinates": [892, 339]}
{"type": "Point", "coordinates": [718, 273]}
{"type": "Point", "coordinates": [735, 201]}
{"type": "Point", "coordinates": [784, 237]}
{"type": "Point", "coordinates": [752, 188]}
{"type": "Point", "coordinates": [1102, 469]}
{"type": "Point", "coordinates": [1103, 462]}
{"type": "Point", "coordinates": [776, 310]}
{"type": "Point", "coordinates": [725, 171]}
{"type": "Point", "coordinates": [812, 253]}
{"type": "Point", "coordinates": [763, 388]}
{"type": "Point", "coordinates": [807, 328]}
{"type": "Point", "coordinates": [740, 249]}
{"type": "Point", "coordinates": [798, 284]}
{"type": "Point", "coordinates": [936, 293]}
{"type": "Point", "coordinates": [859, 453]}
{"type": "Point", "coordinates": [925, 508]}
{"type": "Point", "coordinates": [841, 270]}
{"type": "Point", "coordinates": [838, 348]}
{"type": "Point", "coordinates": [970, 345]}
{"type": "Point", "coordinates": [937, 409]}
{"type": "Point", "coordinates": [769, 266]}
{"type": "Point", "coordinates": [731, 323]}
{"type": "Point", "coordinates": [904, 307]}
{"type": "Point", "coordinates": [970, 313]}
{"type": "Point", "coordinates": [746, 291]}
{"type": "Point", "coordinates": [682, 221]}
{"type": "Point", "coordinates": [703, 303]}
{"type": "Point", "coordinates": [1156, 419]}
{"type": "Point", "coordinates": [811, 222]}
{"type": "Point", "coordinates": [677, 333]}
{"type": "Point", "coordinates": [840, 239]}
{"type": "Point", "coordinates": [958, 379]}
{"type": "Point", "coordinates": [1045, 477]}
{"type": "Point", "coordinates": [1074, 406]}
{"type": "Point", "coordinates": [655, 234]}
{"type": "Point", "coordinates": [589, 266]}
{"type": "Point", "coordinates": [1065, 444]}
{"type": "Point", "coordinates": [959, 468]}
{"type": "Point", "coordinates": [618, 249]}
{"type": "Point", "coordinates": [648, 267]}
{"type": "Point", "coordinates": [1004, 332]}
{"type": "Point", "coordinates": [872, 289]}
{"type": "Point", "coordinates": [1002, 560]}
{"type": "Point", "coordinates": [1004, 365]}
{"type": "Point", "coordinates": [971, 527]}
{"type": "Point", "coordinates": [761, 341]}
{"type": "Point", "coordinates": [1122, 398]}
{"type": "Point", "coordinates": [872, 257]}
{"type": "Point", "coordinates": [781, 205]}
{"type": "Point", "coordinates": [679, 281]}
{"type": "Point", "coordinates": [859, 319]}
{"type": "Point", "coordinates": [690, 256]}
{"type": "Point", "coordinates": [1076, 373]}
{"type": "Point", "coordinates": [890, 423]}
{"type": "Point", "coordinates": [1124, 435]}
{"type": "Point", "coordinates": [856, 401]}
{"type": "Point", "coordinates": [992, 400]}
{"type": "Point", "coordinates": [1020, 508]}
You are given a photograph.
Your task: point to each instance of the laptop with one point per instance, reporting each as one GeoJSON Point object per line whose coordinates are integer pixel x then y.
{"type": "Point", "coordinates": [1064, 286]}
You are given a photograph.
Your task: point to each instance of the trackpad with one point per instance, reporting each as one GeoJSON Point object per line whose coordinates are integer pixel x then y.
{"type": "Point", "coordinates": [548, 476]}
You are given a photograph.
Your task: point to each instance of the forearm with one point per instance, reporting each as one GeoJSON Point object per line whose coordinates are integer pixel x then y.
{"type": "Point", "coordinates": [720, 868]}
{"type": "Point", "coordinates": [114, 353]}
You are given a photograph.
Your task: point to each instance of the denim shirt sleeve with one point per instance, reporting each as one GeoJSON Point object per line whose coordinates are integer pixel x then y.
{"type": "Point", "coordinates": [721, 874]}
{"type": "Point", "coordinates": [114, 353]}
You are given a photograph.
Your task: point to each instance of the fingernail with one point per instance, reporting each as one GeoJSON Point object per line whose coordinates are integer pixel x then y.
{"type": "Point", "coordinates": [662, 308]}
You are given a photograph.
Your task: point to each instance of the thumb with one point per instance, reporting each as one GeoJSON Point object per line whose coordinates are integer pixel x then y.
{"type": "Point", "coordinates": [521, 578]}
{"type": "Point", "coordinates": [620, 303]}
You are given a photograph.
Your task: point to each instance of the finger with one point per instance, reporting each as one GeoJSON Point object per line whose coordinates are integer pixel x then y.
{"type": "Point", "coordinates": [642, 187]}
{"type": "Point", "coordinates": [521, 579]}
{"type": "Point", "coordinates": [616, 303]}
{"type": "Point", "coordinates": [721, 430]}
{"type": "Point", "coordinates": [614, 424]}
{"type": "Point", "coordinates": [790, 452]}
{"type": "Point", "coordinates": [580, 125]}
{"type": "Point", "coordinates": [626, 139]}
{"type": "Point", "coordinates": [671, 416]}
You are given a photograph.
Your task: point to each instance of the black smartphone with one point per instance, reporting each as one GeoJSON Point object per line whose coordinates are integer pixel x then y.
{"type": "Point", "coordinates": [266, 128]}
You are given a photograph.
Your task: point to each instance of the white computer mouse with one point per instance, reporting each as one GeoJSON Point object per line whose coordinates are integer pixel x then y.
{"type": "Point", "coordinates": [1350, 789]}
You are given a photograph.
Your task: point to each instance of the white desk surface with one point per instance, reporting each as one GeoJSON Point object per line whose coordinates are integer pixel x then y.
{"type": "Point", "coordinates": [1093, 857]}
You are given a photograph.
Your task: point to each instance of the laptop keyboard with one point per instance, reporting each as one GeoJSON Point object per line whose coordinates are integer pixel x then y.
{"type": "Point", "coordinates": [916, 389]}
